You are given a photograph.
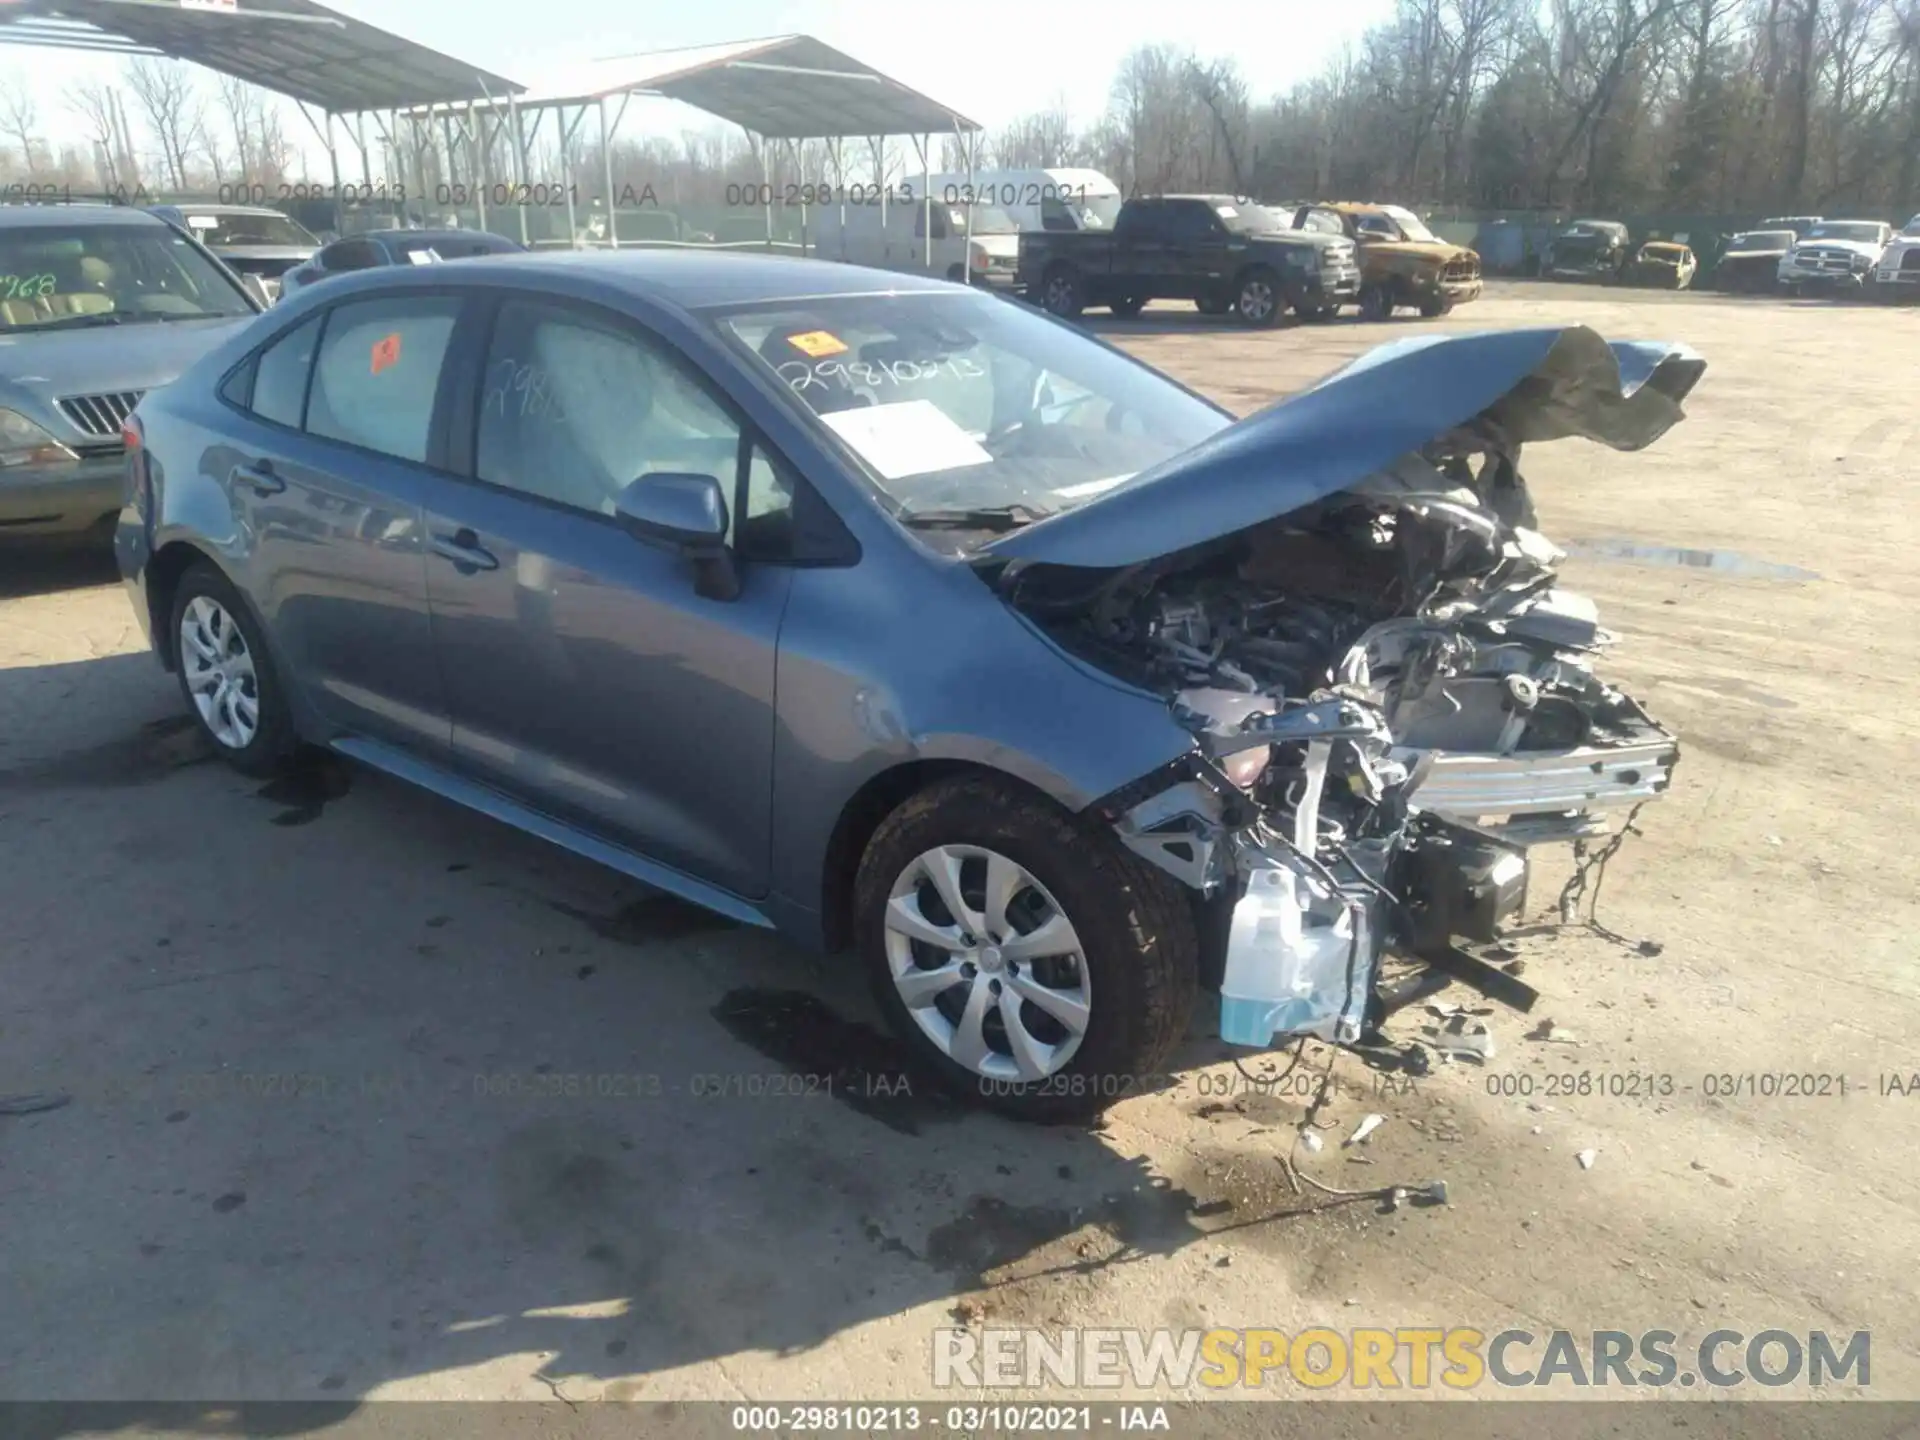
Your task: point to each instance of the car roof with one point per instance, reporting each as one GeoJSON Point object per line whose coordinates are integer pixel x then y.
{"type": "Point", "coordinates": [184, 208]}
{"type": "Point", "coordinates": [443, 233]}
{"type": "Point", "coordinates": [691, 279]}
{"type": "Point", "coordinates": [55, 217]}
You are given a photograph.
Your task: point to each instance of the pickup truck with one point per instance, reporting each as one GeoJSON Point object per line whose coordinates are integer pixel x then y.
{"type": "Point", "coordinates": [1223, 253]}
{"type": "Point", "coordinates": [1402, 262]}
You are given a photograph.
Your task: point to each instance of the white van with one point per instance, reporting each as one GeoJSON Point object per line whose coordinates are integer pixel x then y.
{"type": "Point", "coordinates": [896, 238]}
{"type": "Point", "coordinates": [1036, 199]}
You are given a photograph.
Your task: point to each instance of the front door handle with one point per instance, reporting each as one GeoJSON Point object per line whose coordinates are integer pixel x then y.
{"type": "Point", "coordinates": [258, 477]}
{"type": "Point", "coordinates": [464, 550]}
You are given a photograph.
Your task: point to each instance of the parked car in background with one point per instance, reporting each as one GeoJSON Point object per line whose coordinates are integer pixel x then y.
{"type": "Point", "coordinates": [1589, 250]}
{"type": "Point", "coordinates": [1222, 252]}
{"type": "Point", "coordinates": [1662, 265]}
{"type": "Point", "coordinates": [1836, 255]}
{"type": "Point", "coordinates": [1798, 224]}
{"type": "Point", "coordinates": [99, 305]}
{"type": "Point", "coordinates": [1751, 262]}
{"type": "Point", "coordinates": [250, 239]}
{"type": "Point", "coordinates": [1066, 199]}
{"type": "Point", "coordinates": [1899, 272]}
{"type": "Point", "coordinates": [1403, 264]}
{"type": "Point", "coordinates": [881, 613]}
{"type": "Point", "coordinates": [376, 249]}
{"type": "Point", "coordinates": [928, 237]}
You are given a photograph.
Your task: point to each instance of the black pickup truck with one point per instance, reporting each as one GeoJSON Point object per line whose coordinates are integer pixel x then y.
{"type": "Point", "coordinates": [1222, 253]}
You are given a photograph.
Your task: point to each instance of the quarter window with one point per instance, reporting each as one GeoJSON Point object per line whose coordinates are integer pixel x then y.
{"type": "Point", "coordinates": [378, 371]}
{"type": "Point", "coordinates": [280, 375]}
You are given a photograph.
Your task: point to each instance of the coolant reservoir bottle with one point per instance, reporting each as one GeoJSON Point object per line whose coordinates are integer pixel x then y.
{"type": "Point", "coordinates": [1285, 974]}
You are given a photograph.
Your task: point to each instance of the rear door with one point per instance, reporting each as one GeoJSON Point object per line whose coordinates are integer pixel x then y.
{"type": "Point", "coordinates": [584, 675]}
{"type": "Point", "coordinates": [1197, 247]}
{"type": "Point", "coordinates": [1140, 247]}
{"type": "Point", "coordinates": [326, 475]}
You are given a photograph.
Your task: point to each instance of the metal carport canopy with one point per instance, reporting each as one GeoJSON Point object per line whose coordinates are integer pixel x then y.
{"type": "Point", "coordinates": [297, 47]}
{"type": "Point", "coordinates": [788, 87]}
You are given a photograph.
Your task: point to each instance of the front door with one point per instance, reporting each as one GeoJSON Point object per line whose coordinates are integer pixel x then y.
{"type": "Point", "coordinates": [327, 479]}
{"type": "Point", "coordinates": [584, 675]}
{"type": "Point", "coordinates": [1198, 247]}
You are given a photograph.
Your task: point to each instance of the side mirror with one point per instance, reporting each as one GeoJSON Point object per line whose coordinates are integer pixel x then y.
{"type": "Point", "coordinates": [256, 287]}
{"type": "Point", "coordinates": [686, 515]}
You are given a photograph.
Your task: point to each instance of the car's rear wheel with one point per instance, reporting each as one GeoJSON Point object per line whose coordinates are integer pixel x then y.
{"type": "Point", "coordinates": [1376, 303]}
{"type": "Point", "coordinates": [1060, 293]}
{"type": "Point", "coordinates": [227, 676]}
{"type": "Point", "coordinates": [1028, 960]}
{"type": "Point", "coordinates": [1128, 306]}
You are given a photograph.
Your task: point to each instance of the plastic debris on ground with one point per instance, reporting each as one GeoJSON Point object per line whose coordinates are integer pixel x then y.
{"type": "Point", "coordinates": [1368, 1124]}
{"type": "Point", "coordinates": [1586, 1158]}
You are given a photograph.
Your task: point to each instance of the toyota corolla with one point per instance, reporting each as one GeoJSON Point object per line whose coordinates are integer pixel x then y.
{"type": "Point", "coordinates": [899, 618]}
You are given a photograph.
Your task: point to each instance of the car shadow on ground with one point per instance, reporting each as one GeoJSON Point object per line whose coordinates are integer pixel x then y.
{"type": "Point", "coordinates": [47, 567]}
{"type": "Point", "coordinates": [358, 1088]}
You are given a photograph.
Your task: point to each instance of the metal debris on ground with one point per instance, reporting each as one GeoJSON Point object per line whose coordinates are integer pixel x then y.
{"type": "Point", "coordinates": [1591, 864]}
{"type": "Point", "coordinates": [1461, 1037]}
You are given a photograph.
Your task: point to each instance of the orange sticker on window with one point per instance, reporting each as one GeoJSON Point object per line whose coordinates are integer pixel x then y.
{"type": "Point", "coordinates": [818, 344]}
{"type": "Point", "coordinates": [386, 353]}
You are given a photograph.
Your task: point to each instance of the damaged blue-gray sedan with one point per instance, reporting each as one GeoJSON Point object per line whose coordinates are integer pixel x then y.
{"type": "Point", "coordinates": [900, 618]}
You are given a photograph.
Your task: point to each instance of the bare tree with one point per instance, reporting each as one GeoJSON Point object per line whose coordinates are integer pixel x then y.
{"type": "Point", "coordinates": [168, 98]}
{"type": "Point", "coordinates": [20, 118]}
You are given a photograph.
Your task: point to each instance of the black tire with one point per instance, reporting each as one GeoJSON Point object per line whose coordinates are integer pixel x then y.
{"type": "Point", "coordinates": [957, 274]}
{"type": "Point", "coordinates": [1376, 302]}
{"type": "Point", "coordinates": [1128, 306]}
{"type": "Point", "coordinates": [1213, 305]}
{"type": "Point", "coordinates": [1435, 307]}
{"type": "Point", "coordinates": [1141, 955]}
{"type": "Point", "coordinates": [274, 740]}
{"type": "Point", "coordinates": [1062, 294]}
{"type": "Point", "coordinates": [1259, 298]}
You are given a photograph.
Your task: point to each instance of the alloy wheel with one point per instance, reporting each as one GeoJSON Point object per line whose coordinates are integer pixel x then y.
{"type": "Point", "coordinates": [220, 673]}
{"type": "Point", "coordinates": [987, 963]}
{"type": "Point", "coordinates": [1060, 295]}
{"type": "Point", "coordinates": [1256, 301]}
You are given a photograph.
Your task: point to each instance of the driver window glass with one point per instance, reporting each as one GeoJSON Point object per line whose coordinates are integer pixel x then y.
{"type": "Point", "coordinates": [573, 410]}
{"type": "Point", "coordinates": [1324, 221]}
{"type": "Point", "coordinates": [1188, 222]}
{"type": "Point", "coordinates": [1377, 225]}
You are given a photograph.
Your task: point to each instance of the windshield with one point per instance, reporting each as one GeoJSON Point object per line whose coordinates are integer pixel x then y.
{"type": "Point", "coordinates": [987, 220]}
{"type": "Point", "coordinates": [216, 229]}
{"type": "Point", "coordinates": [965, 403]}
{"type": "Point", "coordinates": [1410, 225]}
{"type": "Point", "coordinates": [1763, 240]}
{"type": "Point", "coordinates": [1913, 226]}
{"type": "Point", "coordinates": [1858, 230]}
{"type": "Point", "coordinates": [108, 274]}
{"type": "Point", "coordinates": [1250, 219]}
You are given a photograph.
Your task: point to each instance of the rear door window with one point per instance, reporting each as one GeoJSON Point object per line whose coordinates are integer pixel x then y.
{"type": "Point", "coordinates": [378, 372]}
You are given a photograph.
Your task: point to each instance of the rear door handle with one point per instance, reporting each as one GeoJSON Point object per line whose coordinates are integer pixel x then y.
{"type": "Point", "coordinates": [258, 477]}
{"type": "Point", "coordinates": [464, 550]}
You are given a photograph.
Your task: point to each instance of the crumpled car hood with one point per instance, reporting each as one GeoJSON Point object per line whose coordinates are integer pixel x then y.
{"type": "Point", "coordinates": [1538, 385]}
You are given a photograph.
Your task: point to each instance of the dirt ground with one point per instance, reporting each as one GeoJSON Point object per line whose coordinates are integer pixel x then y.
{"type": "Point", "coordinates": [399, 1218]}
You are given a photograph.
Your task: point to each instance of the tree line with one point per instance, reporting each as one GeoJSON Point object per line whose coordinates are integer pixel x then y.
{"type": "Point", "coordinates": [1605, 106]}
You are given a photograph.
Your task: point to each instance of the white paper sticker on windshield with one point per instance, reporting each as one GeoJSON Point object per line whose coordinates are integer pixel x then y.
{"type": "Point", "coordinates": [1093, 487]}
{"type": "Point", "coordinates": [914, 437]}
{"type": "Point", "coordinates": [202, 222]}
{"type": "Point", "coordinates": [1225, 212]}
{"type": "Point", "coordinates": [423, 257]}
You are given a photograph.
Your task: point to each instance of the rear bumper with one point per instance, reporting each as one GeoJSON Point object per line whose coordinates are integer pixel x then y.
{"type": "Point", "coordinates": [60, 502]}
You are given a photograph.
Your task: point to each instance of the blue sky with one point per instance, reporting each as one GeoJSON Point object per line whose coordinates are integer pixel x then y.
{"type": "Point", "coordinates": [991, 62]}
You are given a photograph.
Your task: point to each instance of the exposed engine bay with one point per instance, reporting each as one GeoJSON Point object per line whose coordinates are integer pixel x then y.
{"type": "Point", "coordinates": [1391, 699]}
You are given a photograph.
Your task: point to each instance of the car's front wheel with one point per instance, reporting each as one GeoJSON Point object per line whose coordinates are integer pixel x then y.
{"type": "Point", "coordinates": [227, 676]}
{"type": "Point", "coordinates": [1028, 960]}
{"type": "Point", "coordinates": [1259, 300]}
